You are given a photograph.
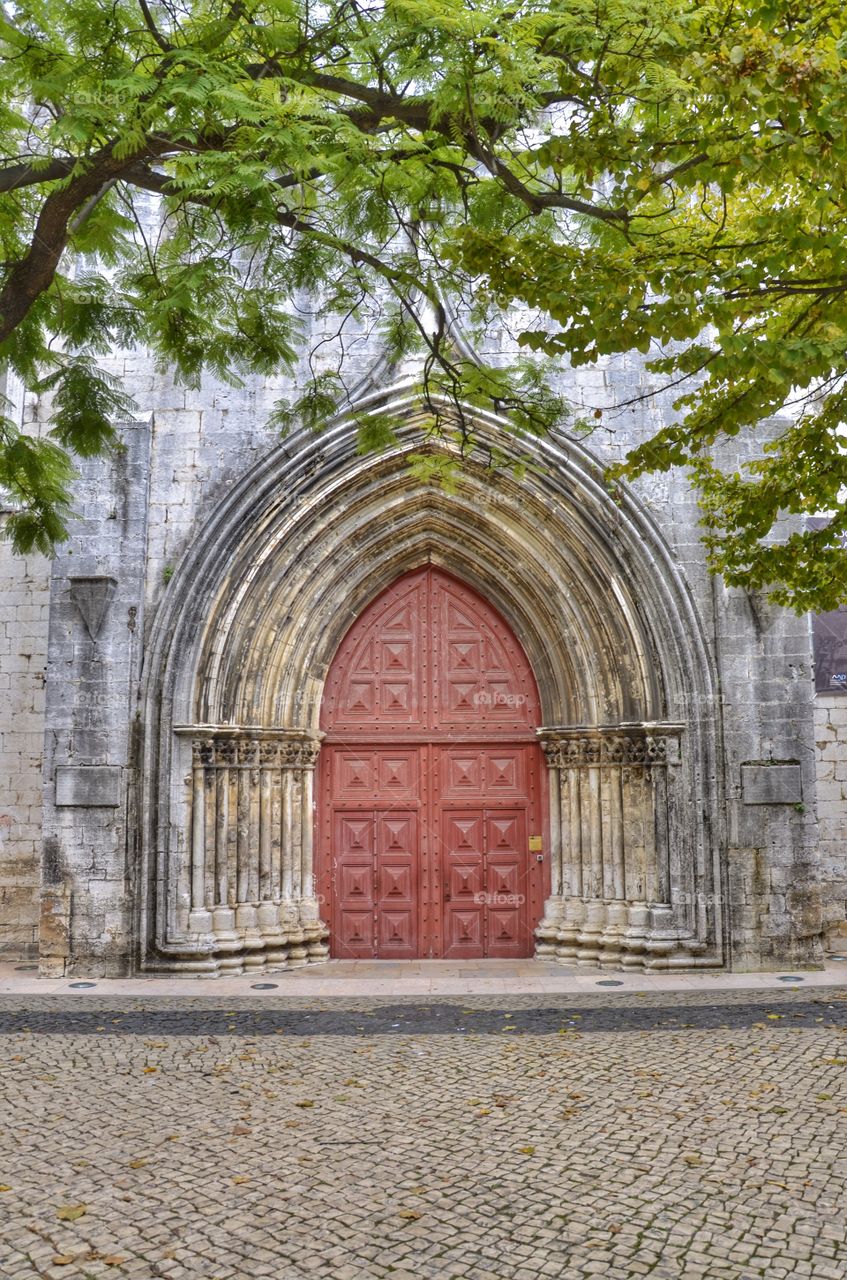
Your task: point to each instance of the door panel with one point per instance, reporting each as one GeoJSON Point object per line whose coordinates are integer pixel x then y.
{"type": "Point", "coordinates": [463, 871]}
{"type": "Point", "coordinates": [430, 780]}
{"type": "Point", "coordinates": [354, 884]}
{"type": "Point", "coordinates": [507, 875]}
{"type": "Point", "coordinates": [486, 876]}
{"type": "Point", "coordinates": [396, 884]}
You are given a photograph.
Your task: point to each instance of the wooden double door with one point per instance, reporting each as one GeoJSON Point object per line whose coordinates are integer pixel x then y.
{"type": "Point", "coordinates": [430, 809]}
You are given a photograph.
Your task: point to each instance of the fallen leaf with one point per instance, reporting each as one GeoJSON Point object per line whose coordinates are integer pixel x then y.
{"type": "Point", "coordinates": [305, 1102]}
{"type": "Point", "coordinates": [137, 1164]}
{"type": "Point", "coordinates": [241, 1179]}
{"type": "Point", "coordinates": [62, 1260]}
{"type": "Point", "coordinates": [692, 1159]}
{"type": "Point", "coordinates": [112, 1259]}
{"type": "Point", "coordinates": [240, 1129]}
{"type": "Point", "coordinates": [411, 1215]}
{"type": "Point", "coordinates": [4, 1187]}
{"type": "Point", "coordinates": [149, 1071]}
{"type": "Point", "coordinates": [527, 1151]}
{"type": "Point", "coordinates": [70, 1212]}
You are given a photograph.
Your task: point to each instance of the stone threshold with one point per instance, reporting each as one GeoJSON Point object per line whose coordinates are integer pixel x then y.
{"type": "Point", "coordinates": [420, 977]}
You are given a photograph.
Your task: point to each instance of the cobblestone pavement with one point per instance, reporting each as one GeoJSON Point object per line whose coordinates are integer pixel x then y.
{"type": "Point", "coordinates": [617, 1136]}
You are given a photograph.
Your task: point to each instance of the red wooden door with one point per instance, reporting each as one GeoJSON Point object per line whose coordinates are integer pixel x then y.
{"type": "Point", "coordinates": [430, 780]}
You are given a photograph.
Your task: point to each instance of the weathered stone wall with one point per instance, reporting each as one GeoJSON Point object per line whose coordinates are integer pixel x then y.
{"type": "Point", "coordinates": [96, 619]}
{"type": "Point", "coordinates": [24, 612]}
{"type": "Point", "coordinates": [138, 526]}
{"type": "Point", "coordinates": [831, 761]}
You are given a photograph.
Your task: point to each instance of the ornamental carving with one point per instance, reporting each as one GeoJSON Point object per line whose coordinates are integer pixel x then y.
{"type": "Point", "coordinates": [246, 749]}
{"type": "Point", "coordinates": [579, 748]}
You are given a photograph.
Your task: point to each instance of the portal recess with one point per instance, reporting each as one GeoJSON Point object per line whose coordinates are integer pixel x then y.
{"type": "Point", "coordinates": [583, 686]}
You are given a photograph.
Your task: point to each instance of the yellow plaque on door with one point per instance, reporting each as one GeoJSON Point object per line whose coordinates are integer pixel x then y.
{"type": "Point", "coordinates": [535, 844]}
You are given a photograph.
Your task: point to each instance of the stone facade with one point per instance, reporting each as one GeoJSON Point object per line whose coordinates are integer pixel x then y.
{"type": "Point", "coordinates": [212, 572]}
{"type": "Point", "coordinates": [24, 610]}
{"type": "Point", "coordinates": [831, 755]}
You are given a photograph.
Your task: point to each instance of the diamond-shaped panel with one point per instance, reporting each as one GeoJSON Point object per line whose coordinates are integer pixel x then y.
{"type": "Point", "coordinates": [356, 773]}
{"type": "Point", "coordinates": [396, 656]}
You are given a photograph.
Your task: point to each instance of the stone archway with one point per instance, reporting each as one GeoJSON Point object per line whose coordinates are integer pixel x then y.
{"type": "Point", "coordinates": [260, 604]}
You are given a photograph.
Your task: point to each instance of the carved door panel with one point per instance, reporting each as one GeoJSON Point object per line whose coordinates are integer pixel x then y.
{"type": "Point", "coordinates": [378, 678]}
{"type": "Point", "coordinates": [486, 884]}
{"type": "Point", "coordinates": [463, 873]}
{"type": "Point", "coordinates": [397, 880]}
{"type": "Point", "coordinates": [353, 885]}
{"type": "Point", "coordinates": [374, 885]}
{"type": "Point", "coordinates": [430, 780]}
{"type": "Point", "coordinates": [508, 874]}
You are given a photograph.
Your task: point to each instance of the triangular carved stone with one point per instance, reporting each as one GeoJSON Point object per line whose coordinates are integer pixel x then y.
{"type": "Point", "coordinates": [92, 596]}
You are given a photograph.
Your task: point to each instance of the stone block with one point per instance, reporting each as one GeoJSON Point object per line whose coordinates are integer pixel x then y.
{"type": "Point", "coordinates": [88, 786]}
{"type": "Point", "coordinates": [54, 930]}
{"type": "Point", "coordinates": [771, 784]}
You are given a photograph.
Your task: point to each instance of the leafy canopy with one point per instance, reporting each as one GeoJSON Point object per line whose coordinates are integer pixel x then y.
{"type": "Point", "coordinates": [659, 175]}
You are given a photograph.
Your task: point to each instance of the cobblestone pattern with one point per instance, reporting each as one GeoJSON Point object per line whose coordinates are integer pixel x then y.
{"type": "Point", "coordinates": [679, 1153]}
{"type": "Point", "coordinates": [831, 758]}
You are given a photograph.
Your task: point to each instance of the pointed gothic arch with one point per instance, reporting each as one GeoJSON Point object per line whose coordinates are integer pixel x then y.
{"type": "Point", "coordinates": [255, 612]}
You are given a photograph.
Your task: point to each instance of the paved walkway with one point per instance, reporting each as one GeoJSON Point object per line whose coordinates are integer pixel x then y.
{"type": "Point", "coordinates": [426, 977]}
{"type": "Point", "coordinates": [683, 1135]}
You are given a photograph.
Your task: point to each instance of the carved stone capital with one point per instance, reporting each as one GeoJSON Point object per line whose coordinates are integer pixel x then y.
{"type": "Point", "coordinates": [610, 745]}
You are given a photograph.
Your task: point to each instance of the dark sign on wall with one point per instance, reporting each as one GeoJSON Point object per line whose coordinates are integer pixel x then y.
{"type": "Point", "coordinates": [830, 641]}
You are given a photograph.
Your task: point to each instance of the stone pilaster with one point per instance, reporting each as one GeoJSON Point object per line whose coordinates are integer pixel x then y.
{"type": "Point", "coordinates": [250, 862]}
{"type": "Point", "coordinates": [613, 812]}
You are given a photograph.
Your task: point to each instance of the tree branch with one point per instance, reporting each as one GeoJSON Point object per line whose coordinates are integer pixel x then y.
{"type": "Point", "coordinates": [164, 45]}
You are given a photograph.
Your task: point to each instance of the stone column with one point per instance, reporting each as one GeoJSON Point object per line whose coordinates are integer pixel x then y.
{"type": "Point", "coordinates": [315, 931]}
{"type": "Point", "coordinates": [611, 831]}
{"type": "Point", "coordinates": [250, 870]}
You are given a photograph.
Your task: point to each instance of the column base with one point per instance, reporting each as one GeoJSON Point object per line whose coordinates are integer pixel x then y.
{"type": "Point", "coordinates": [614, 934]}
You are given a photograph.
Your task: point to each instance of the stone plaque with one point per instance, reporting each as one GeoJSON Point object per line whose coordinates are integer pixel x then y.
{"type": "Point", "coordinates": [771, 784]}
{"type": "Point", "coordinates": [88, 786]}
